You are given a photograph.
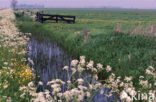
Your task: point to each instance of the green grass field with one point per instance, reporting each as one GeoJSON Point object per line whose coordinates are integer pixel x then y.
{"type": "Point", "coordinates": [128, 53]}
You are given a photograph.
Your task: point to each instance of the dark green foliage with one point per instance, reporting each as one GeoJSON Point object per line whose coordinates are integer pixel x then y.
{"type": "Point", "coordinates": [22, 17]}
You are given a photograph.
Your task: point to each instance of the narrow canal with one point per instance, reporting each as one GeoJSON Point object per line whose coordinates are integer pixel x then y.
{"type": "Point", "coordinates": [49, 59]}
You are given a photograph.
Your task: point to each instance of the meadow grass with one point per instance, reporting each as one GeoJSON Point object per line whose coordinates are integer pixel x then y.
{"type": "Point", "coordinates": [129, 55]}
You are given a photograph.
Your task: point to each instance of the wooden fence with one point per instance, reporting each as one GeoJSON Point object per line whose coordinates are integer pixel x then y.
{"type": "Point", "coordinates": [44, 17]}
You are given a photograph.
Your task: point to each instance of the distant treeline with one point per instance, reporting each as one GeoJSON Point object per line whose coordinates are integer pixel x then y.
{"type": "Point", "coordinates": [29, 6]}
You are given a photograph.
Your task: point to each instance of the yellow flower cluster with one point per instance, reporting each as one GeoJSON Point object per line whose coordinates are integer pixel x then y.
{"type": "Point", "coordinates": [24, 75]}
{"type": "Point", "coordinates": [112, 21]}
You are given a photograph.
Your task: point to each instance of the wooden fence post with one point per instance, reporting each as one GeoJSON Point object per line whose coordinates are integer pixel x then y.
{"type": "Point", "coordinates": [74, 20]}
{"type": "Point", "coordinates": [56, 19]}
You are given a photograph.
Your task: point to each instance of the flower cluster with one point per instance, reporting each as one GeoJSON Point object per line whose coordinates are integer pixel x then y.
{"type": "Point", "coordinates": [24, 74]}
{"type": "Point", "coordinates": [79, 87]}
{"type": "Point", "coordinates": [82, 86]}
{"type": "Point", "coordinates": [145, 91]}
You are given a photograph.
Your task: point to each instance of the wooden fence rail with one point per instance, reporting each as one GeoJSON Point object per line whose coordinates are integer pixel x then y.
{"type": "Point", "coordinates": [44, 17]}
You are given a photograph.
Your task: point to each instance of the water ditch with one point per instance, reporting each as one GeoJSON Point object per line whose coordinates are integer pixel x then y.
{"type": "Point", "coordinates": [49, 59]}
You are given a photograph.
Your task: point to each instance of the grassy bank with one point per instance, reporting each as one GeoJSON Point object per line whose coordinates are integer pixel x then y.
{"type": "Point", "coordinates": [14, 71]}
{"type": "Point", "coordinates": [127, 54]}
